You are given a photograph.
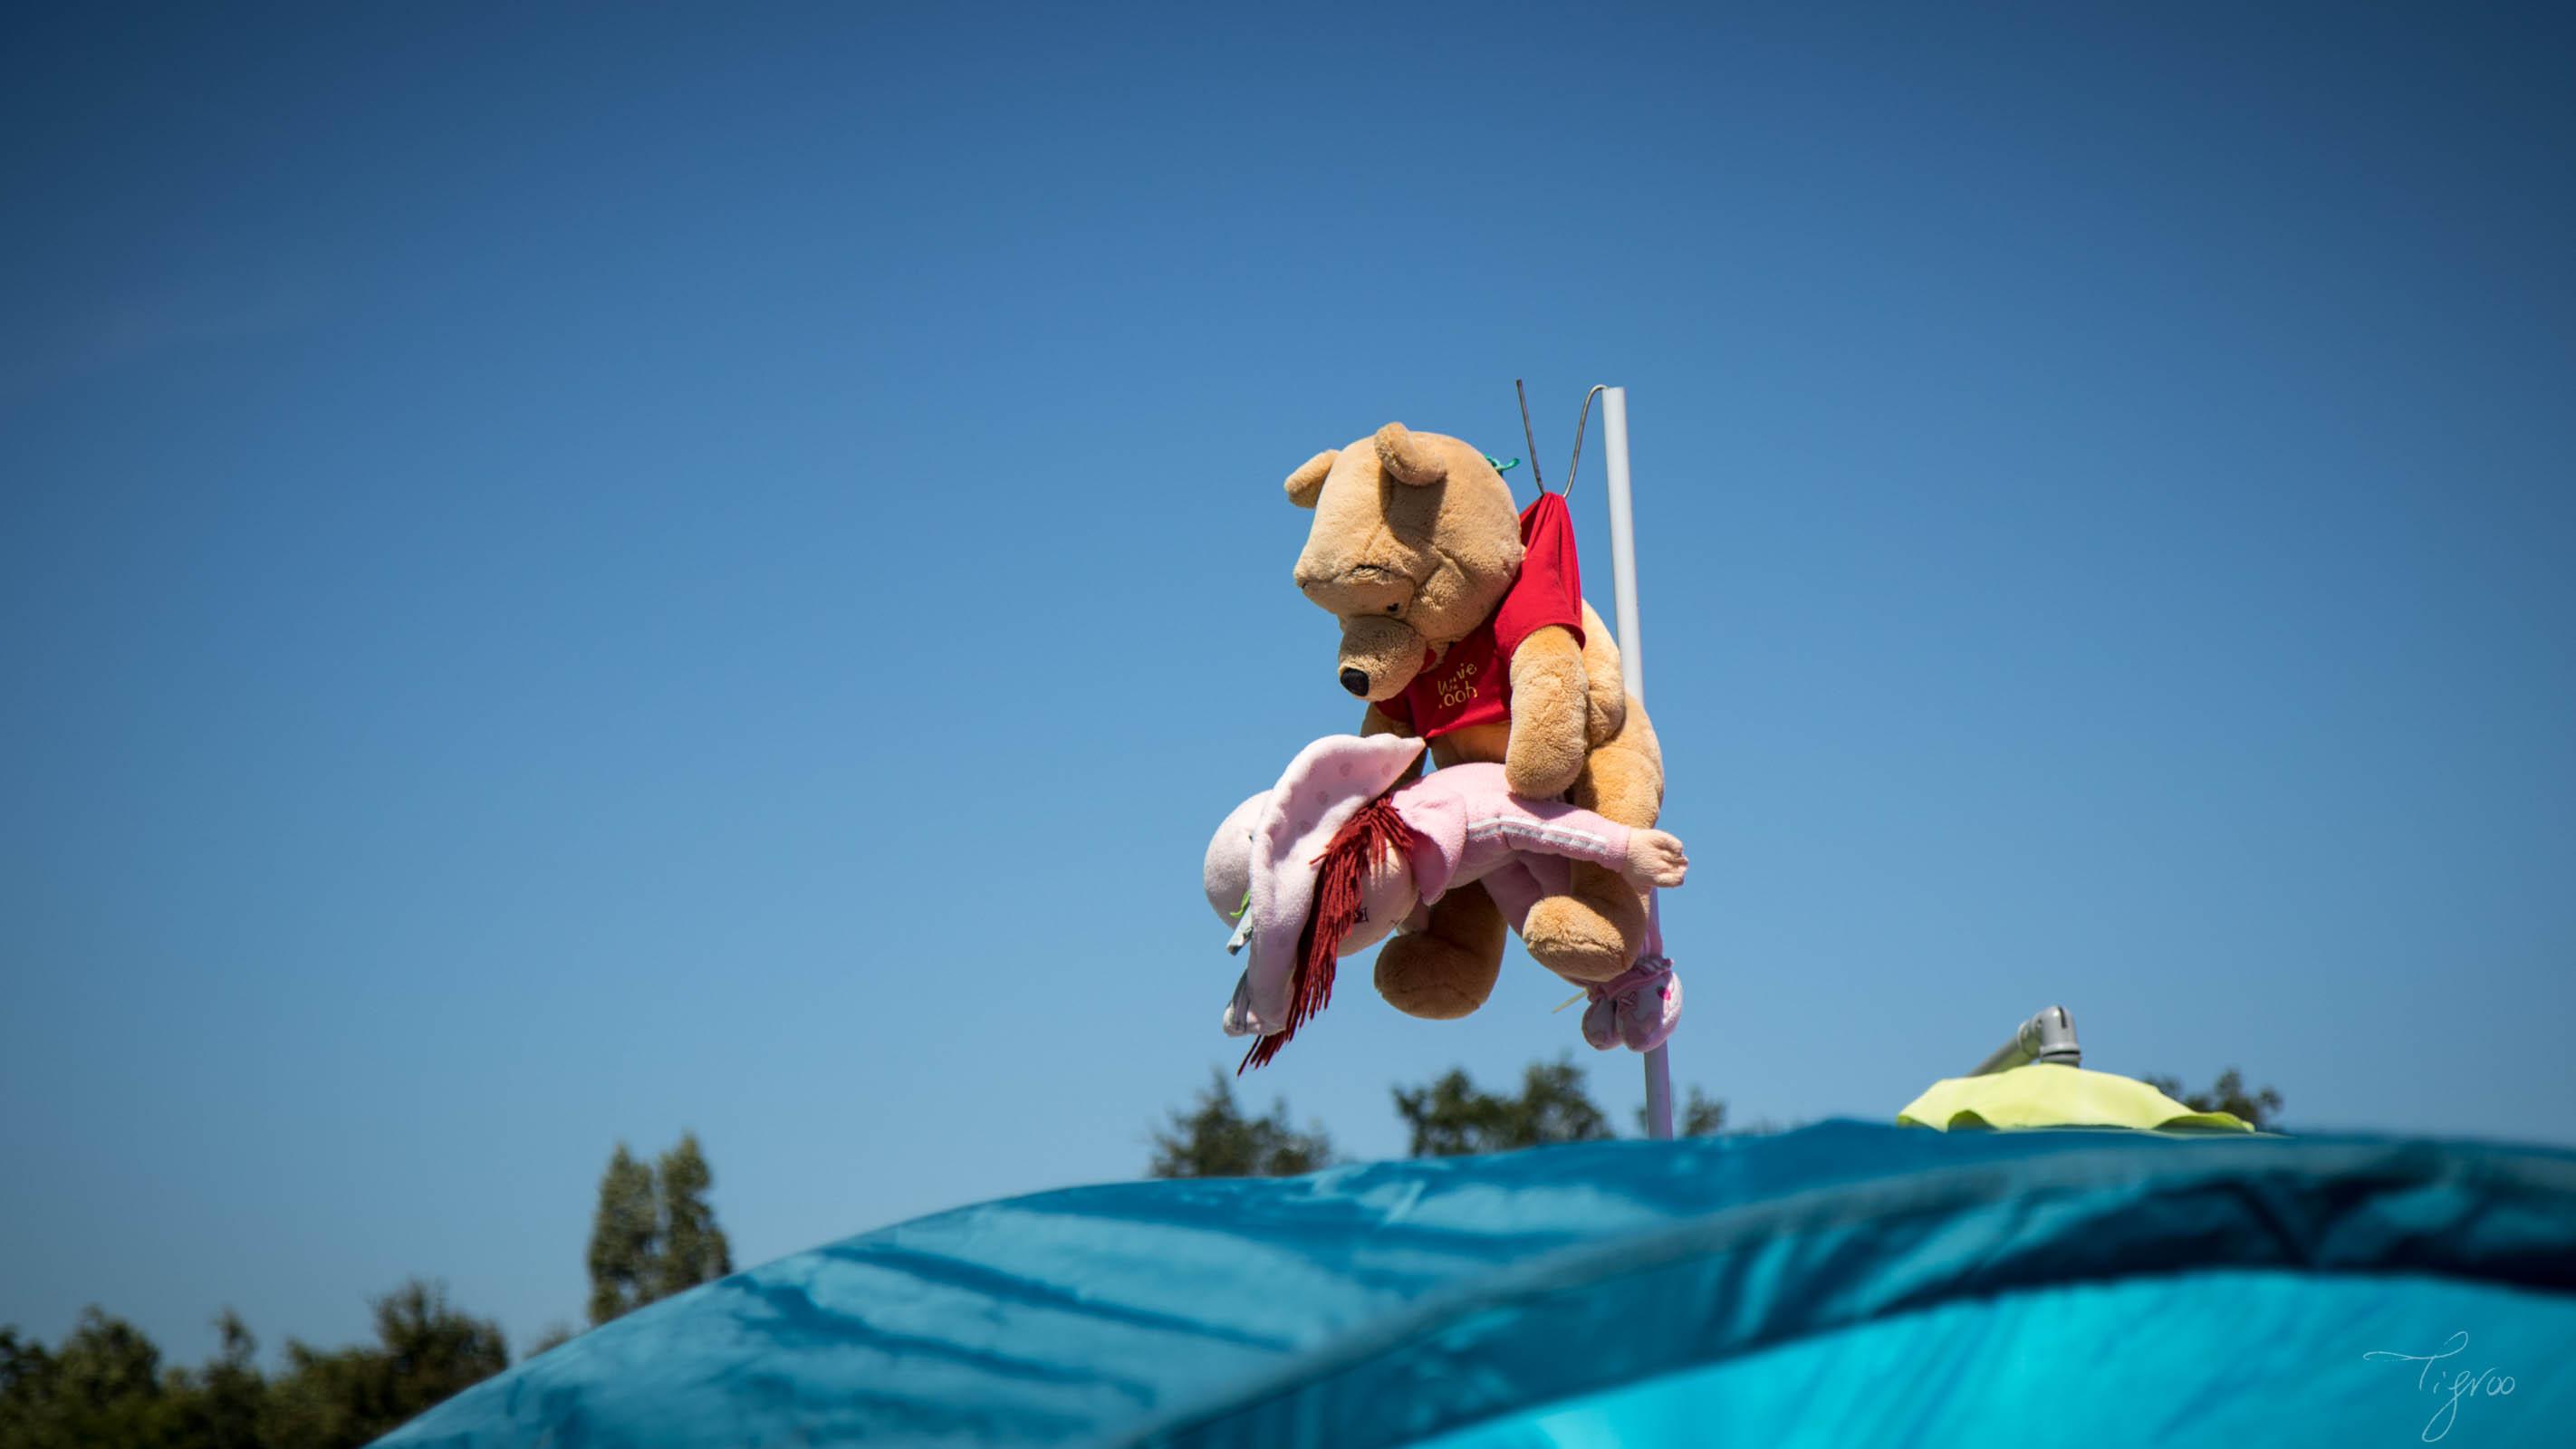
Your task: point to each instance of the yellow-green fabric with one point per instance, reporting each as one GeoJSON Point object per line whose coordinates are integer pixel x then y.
{"type": "Point", "coordinates": [2046, 1095]}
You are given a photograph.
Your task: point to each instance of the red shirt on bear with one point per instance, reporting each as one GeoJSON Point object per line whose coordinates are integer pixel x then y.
{"type": "Point", "coordinates": [1472, 683]}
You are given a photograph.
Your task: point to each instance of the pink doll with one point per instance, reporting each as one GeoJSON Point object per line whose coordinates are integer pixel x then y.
{"type": "Point", "coordinates": [1345, 850]}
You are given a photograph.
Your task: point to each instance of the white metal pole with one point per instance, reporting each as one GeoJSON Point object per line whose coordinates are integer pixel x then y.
{"type": "Point", "coordinates": [1632, 659]}
{"type": "Point", "coordinates": [1623, 539]}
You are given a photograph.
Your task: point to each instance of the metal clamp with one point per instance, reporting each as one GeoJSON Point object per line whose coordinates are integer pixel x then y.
{"type": "Point", "coordinates": [2048, 1038]}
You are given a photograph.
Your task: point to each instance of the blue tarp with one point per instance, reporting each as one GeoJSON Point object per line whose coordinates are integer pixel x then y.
{"type": "Point", "coordinates": [1844, 1284]}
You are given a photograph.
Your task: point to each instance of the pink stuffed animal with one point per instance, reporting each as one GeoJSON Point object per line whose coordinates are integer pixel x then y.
{"type": "Point", "coordinates": [1345, 850]}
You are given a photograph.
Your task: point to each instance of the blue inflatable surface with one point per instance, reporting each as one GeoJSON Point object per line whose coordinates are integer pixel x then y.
{"type": "Point", "coordinates": [1845, 1284]}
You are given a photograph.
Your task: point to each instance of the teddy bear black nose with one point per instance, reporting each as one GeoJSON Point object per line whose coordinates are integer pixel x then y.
{"type": "Point", "coordinates": [1355, 681]}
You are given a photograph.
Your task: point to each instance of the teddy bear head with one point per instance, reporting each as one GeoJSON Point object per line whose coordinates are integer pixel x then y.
{"type": "Point", "coordinates": [1415, 540]}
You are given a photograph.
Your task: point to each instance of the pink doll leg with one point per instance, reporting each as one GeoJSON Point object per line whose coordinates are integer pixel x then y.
{"type": "Point", "coordinates": [1515, 889]}
{"type": "Point", "coordinates": [1639, 1007]}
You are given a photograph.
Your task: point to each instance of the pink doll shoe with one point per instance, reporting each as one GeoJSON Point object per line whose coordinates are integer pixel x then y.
{"type": "Point", "coordinates": [1637, 1008]}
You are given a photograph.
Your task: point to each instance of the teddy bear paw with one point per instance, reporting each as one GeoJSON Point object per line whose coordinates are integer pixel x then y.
{"type": "Point", "coordinates": [1538, 773]}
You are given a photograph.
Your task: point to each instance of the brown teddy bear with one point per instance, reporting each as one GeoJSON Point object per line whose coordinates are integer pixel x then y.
{"type": "Point", "coordinates": [1463, 622]}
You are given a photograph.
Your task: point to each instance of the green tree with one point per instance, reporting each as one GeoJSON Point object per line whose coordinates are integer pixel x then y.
{"type": "Point", "coordinates": [625, 1238]}
{"type": "Point", "coordinates": [425, 1352]}
{"type": "Point", "coordinates": [654, 1233]}
{"type": "Point", "coordinates": [26, 1390]}
{"type": "Point", "coordinates": [694, 1249]}
{"type": "Point", "coordinates": [102, 1385]}
{"type": "Point", "coordinates": [2260, 1110]}
{"type": "Point", "coordinates": [223, 1401]}
{"type": "Point", "coordinates": [1215, 1139]}
{"type": "Point", "coordinates": [1450, 1117]}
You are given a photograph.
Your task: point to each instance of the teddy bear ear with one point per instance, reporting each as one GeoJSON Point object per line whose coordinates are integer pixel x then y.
{"type": "Point", "coordinates": [1407, 459]}
{"type": "Point", "coordinates": [1307, 483]}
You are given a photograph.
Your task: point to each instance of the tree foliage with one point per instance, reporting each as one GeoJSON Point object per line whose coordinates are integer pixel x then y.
{"type": "Point", "coordinates": [1451, 1117]}
{"type": "Point", "coordinates": [232, 1394]}
{"type": "Point", "coordinates": [425, 1351]}
{"type": "Point", "coordinates": [624, 1234]}
{"type": "Point", "coordinates": [2259, 1109]}
{"type": "Point", "coordinates": [1214, 1139]}
{"type": "Point", "coordinates": [654, 1233]}
{"type": "Point", "coordinates": [694, 1249]}
{"type": "Point", "coordinates": [1448, 1116]}
{"type": "Point", "coordinates": [104, 1384]}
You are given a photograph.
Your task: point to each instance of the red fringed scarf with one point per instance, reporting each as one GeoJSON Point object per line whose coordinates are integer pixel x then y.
{"type": "Point", "coordinates": [1341, 872]}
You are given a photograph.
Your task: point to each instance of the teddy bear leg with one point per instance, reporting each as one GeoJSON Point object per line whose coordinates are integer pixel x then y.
{"type": "Point", "coordinates": [1591, 933]}
{"type": "Point", "coordinates": [1448, 968]}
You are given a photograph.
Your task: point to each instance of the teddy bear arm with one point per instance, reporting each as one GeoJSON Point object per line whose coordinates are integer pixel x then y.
{"type": "Point", "coordinates": [1604, 683]}
{"type": "Point", "coordinates": [1623, 778]}
{"type": "Point", "coordinates": [1551, 715]}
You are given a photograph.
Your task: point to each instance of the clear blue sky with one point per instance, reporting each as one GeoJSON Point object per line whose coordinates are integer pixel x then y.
{"type": "Point", "coordinates": [565, 578]}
